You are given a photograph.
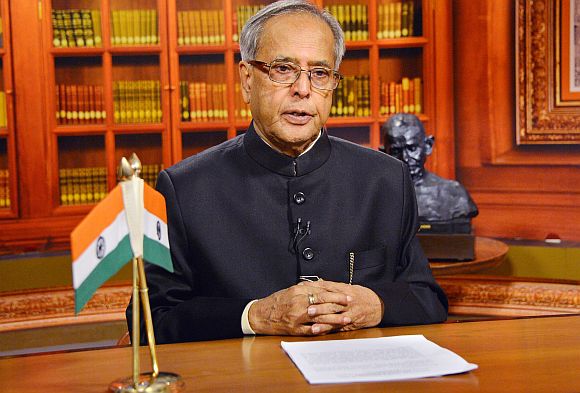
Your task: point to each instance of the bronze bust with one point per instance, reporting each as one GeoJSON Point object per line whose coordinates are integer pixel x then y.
{"type": "Point", "coordinates": [439, 200]}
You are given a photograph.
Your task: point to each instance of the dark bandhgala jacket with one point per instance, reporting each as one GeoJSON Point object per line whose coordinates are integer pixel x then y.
{"type": "Point", "coordinates": [246, 221]}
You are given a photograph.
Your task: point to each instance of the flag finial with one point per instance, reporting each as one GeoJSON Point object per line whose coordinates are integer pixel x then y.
{"type": "Point", "coordinates": [125, 170]}
{"type": "Point", "coordinates": [135, 165]}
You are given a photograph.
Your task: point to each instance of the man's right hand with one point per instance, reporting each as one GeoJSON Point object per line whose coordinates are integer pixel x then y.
{"type": "Point", "coordinates": [286, 312]}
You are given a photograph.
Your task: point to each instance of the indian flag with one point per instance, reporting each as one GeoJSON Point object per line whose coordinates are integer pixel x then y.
{"type": "Point", "coordinates": [155, 237]}
{"type": "Point", "coordinates": [130, 222]}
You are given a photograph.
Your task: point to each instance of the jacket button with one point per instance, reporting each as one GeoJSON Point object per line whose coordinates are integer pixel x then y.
{"type": "Point", "coordinates": [299, 198]}
{"type": "Point", "coordinates": [308, 253]}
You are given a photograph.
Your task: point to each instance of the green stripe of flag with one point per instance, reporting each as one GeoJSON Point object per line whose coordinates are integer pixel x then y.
{"type": "Point", "coordinates": [157, 254]}
{"type": "Point", "coordinates": [106, 268]}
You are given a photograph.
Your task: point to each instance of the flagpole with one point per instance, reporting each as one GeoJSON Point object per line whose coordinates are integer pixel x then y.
{"type": "Point", "coordinates": [155, 381]}
{"type": "Point", "coordinates": [147, 316]}
{"type": "Point", "coordinates": [136, 322]}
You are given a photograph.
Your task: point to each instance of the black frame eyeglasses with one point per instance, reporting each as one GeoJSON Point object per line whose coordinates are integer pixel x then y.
{"type": "Point", "coordinates": [287, 73]}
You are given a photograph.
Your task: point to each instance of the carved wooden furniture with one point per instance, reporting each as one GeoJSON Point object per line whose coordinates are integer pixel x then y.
{"type": "Point", "coordinates": [510, 297]}
{"type": "Point", "coordinates": [468, 295]}
{"type": "Point", "coordinates": [55, 307]}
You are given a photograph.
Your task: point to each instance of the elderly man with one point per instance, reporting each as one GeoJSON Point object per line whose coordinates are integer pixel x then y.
{"type": "Point", "coordinates": [285, 230]}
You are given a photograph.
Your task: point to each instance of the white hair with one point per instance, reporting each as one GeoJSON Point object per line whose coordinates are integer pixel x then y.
{"type": "Point", "coordinates": [251, 33]}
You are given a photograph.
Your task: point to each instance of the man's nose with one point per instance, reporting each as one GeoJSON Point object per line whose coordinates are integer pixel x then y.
{"type": "Point", "coordinates": [302, 85]}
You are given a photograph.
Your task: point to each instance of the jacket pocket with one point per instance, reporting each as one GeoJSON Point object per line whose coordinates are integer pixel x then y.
{"type": "Point", "coordinates": [369, 265]}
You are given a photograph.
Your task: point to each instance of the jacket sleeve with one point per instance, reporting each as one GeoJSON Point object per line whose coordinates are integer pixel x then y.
{"type": "Point", "coordinates": [178, 314]}
{"type": "Point", "coordinates": [414, 297]}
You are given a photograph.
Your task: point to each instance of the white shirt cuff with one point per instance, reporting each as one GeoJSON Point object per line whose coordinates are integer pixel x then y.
{"type": "Point", "coordinates": [246, 328]}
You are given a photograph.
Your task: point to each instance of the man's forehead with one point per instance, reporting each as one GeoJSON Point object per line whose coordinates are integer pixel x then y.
{"type": "Point", "coordinates": [284, 37]}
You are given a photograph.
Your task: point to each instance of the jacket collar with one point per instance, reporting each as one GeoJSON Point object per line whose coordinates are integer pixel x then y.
{"type": "Point", "coordinates": [281, 163]}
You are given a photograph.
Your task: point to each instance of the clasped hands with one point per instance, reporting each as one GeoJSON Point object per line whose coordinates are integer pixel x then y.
{"type": "Point", "coordinates": [315, 308]}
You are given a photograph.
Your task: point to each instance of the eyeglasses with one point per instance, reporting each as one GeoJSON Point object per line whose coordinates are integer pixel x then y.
{"type": "Point", "coordinates": [287, 73]}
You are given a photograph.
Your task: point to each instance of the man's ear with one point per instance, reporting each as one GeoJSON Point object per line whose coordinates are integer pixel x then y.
{"type": "Point", "coordinates": [246, 80]}
{"type": "Point", "coordinates": [429, 142]}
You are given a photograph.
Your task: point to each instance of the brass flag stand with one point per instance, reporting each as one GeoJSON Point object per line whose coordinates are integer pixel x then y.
{"type": "Point", "coordinates": [148, 382]}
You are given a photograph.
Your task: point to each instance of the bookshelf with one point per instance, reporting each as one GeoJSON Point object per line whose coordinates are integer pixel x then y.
{"type": "Point", "coordinates": [151, 76]}
{"type": "Point", "coordinates": [8, 173]}
{"type": "Point", "coordinates": [110, 93]}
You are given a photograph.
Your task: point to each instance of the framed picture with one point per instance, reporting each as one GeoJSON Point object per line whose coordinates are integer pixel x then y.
{"type": "Point", "coordinates": [548, 71]}
{"type": "Point", "coordinates": [569, 50]}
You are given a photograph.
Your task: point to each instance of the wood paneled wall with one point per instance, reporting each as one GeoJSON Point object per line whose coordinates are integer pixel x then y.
{"type": "Point", "coordinates": [521, 191]}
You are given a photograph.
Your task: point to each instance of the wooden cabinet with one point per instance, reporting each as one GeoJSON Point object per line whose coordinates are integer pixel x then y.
{"type": "Point", "coordinates": [132, 81]}
{"type": "Point", "coordinates": [8, 168]}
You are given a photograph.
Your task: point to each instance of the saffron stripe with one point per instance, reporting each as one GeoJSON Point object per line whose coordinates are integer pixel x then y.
{"type": "Point", "coordinates": [95, 222]}
{"type": "Point", "coordinates": [107, 267]}
{"type": "Point", "coordinates": [88, 260]}
{"type": "Point", "coordinates": [154, 202]}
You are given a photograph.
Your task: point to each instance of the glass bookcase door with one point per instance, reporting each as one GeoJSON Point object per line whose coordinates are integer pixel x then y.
{"type": "Point", "coordinates": [3, 106]}
{"type": "Point", "coordinates": [82, 169]}
{"type": "Point", "coordinates": [200, 22]}
{"type": "Point", "coordinates": [148, 149]}
{"type": "Point", "coordinates": [79, 88]}
{"type": "Point", "coordinates": [76, 24]}
{"type": "Point", "coordinates": [8, 164]}
{"type": "Point", "coordinates": [352, 96]}
{"type": "Point", "coordinates": [134, 23]}
{"type": "Point", "coordinates": [242, 113]}
{"type": "Point", "coordinates": [399, 19]}
{"type": "Point", "coordinates": [137, 93]}
{"type": "Point", "coordinates": [353, 16]}
{"type": "Point", "coordinates": [401, 81]}
{"type": "Point", "coordinates": [242, 10]}
{"type": "Point", "coordinates": [5, 201]}
{"type": "Point", "coordinates": [203, 91]}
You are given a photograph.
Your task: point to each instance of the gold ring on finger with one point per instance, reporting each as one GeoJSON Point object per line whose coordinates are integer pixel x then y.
{"type": "Point", "coordinates": [311, 299]}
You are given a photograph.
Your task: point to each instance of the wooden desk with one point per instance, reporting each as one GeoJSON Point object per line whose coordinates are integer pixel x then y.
{"type": "Point", "coordinates": [520, 355]}
{"type": "Point", "coordinates": [488, 253]}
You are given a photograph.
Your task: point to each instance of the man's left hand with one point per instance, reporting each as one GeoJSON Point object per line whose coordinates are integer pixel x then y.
{"type": "Point", "coordinates": [364, 310]}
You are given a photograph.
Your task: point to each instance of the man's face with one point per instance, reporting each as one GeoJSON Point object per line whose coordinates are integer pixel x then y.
{"type": "Point", "coordinates": [407, 143]}
{"type": "Point", "coordinates": [290, 117]}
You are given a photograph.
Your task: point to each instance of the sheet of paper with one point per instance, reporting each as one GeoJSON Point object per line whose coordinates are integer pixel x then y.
{"type": "Point", "coordinates": [373, 359]}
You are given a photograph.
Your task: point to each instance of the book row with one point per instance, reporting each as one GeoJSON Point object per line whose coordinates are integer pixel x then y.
{"type": "Point", "coordinates": [396, 19]}
{"type": "Point", "coordinates": [149, 173]}
{"type": "Point", "coordinates": [405, 96]}
{"type": "Point", "coordinates": [134, 27]}
{"type": "Point", "coordinates": [203, 101]}
{"type": "Point", "coordinates": [76, 28]}
{"type": "Point", "coordinates": [3, 115]}
{"type": "Point", "coordinates": [82, 27]}
{"type": "Point", "coordinates": [79, 104]}
{"type": "Point", "coordinates": [200, 27]}
{"type": "Point", "coordinates": [241, 109]}
{"type": "Point", "coordinates": [352, 97]}
{"type": "Point", "coordinates": [4, 188]}
{"type": "Point", "coordinates": [137, 101]}
{"type": "Point", "coordinates": [353, 19]}
{"type": "Point", "coordinates": [241, 16]}
{"type": "Point", "coordinates": [80, 186]}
